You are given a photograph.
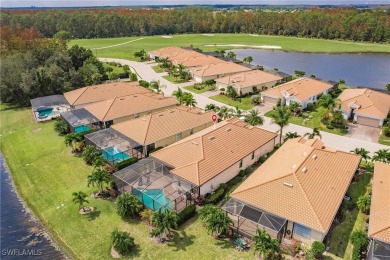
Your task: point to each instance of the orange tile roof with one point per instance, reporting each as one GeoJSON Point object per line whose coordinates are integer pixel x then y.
{"type": "Point", "coordinates": [219, 68]}
{"type": "Point", "coordinates": [162, 52]}
{"type": "Point", "coordinates": [368, 102]}
{"type": "Point", "coordinates": [202, 156]}
{"type": "Point", "coordinates": [379, 227]}
{"type": "Point", "coordinates": [249, 79]}
{"type": "Point", "coordinates": [198, 61]}
{"type": "Point", "coordinates": [159, 125]}
{"type": "Point", "coordinates": [301, 88]}
{"type": "Point", "coordinates": [302, 182]}
{"type": "Point", "coordinates": [96, 93]}
{"type": "Point", "coordinates": [128, 105]}
{"type": "Point", "coordinates": [182, 55]}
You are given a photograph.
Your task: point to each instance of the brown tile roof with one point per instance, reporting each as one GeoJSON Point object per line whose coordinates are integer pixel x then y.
{"type": "Point", "coordinates": [368, 102]}
{"type": "Point", "coordinates": [302, 182]}
{"type": "Point", "coordinates": [198, 61]}
{"type": "Point", "coordinates": [159, 125]}
{"type": "Point", "coordinates": [101, 92]}
{"type": "Point", "coordinates": [219, 68]}
{"type": "Point", "coordinates": [202, 156]}
{"type": "Point", "coordinates": [182, 55]}
{"type": "Point", "coordinates": [301, 88]}
{"type": "Point", "coordinates": [249, 79]}
{"type": "Point", "coordinates": [163, 52]}
{"type": "Point", "coordinates": [128, 105]}
{"type": "Point", "coordinates": [379, 227]}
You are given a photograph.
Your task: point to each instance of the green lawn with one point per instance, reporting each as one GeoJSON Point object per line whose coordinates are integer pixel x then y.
{"type": "Point", "coordinates": [173, 79]}
{"type": "Point", "coordinates": [340, 244]}
{"type": "Point", "coordinates": [193, 89]}
{"type": "Point", "coordinates": [158, 69]}
{"type": "Point", "coordinates": [242, 103]}
{"type": "Point", "coordinates": [384, 140]}
{"type": "Point", "coordinates": [148, 43]}
{"type": "Point", "coordinates": [117, 70]}
{"type": "Point", "coordinates": [315, 121]}
{"type": "Point", "coordinates": [46, 173]}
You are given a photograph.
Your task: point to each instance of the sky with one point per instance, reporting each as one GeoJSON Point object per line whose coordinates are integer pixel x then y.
{"type": "Point", "coordinates": [70, 3]}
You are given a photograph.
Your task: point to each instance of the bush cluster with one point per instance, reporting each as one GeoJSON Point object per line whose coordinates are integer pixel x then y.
{"type": "Point", "coordinates": [125, 163]}
{"type": "Point", "coordinates": [186, 214]}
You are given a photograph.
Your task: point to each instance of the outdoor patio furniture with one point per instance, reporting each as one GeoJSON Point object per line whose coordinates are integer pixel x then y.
{"type": "Point", "coordinates": [240, 243]}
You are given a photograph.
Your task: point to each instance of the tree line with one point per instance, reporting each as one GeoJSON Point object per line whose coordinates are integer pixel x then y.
{"type": "Point", "coordinates": [338, 23]}
{"type": "Point", "coordinates": [32, 66]}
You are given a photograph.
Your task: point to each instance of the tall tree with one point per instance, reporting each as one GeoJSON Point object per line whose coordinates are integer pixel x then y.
{"type": "Point", "coordinates": [266, 246]}
{"type": "Point", "coordinates": [178, 94]}
{"type": "Point", "coordinates": [363, 153]}
{"type": "Point", "coordinates": [80, 199]}
{"type": "Point", "coordinates": [98, 178]}
{"type": "Point", "coordinates": [254, 118]}
{"type": "Point", "coordinates": [382, 155]}
{"type": "Point", "coordinates": [314, 133]}
{"type": "Point", "coordinates": [280, 116]}
{"type": "Point", "coordinates": [189, 99]}
{"type": "Point", "coordinates": [157, 87]}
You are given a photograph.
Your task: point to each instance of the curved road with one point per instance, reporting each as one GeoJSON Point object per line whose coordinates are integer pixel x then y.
{"type": "Point", "coordinates": [331, 140]}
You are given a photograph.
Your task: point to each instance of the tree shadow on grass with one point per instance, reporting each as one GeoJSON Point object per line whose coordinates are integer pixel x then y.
{"type": "Point", "coordinates": [224, 243]}
{"type": "Point", "coordinates": [136, 252]}
{"type": "Point", "coordinates": [93, 215]}
{"type": "Point", "coordinates": [181, 241]}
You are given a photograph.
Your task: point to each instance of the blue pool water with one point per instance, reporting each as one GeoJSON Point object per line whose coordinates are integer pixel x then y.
{"type": "Point", "coordinates": [148, 196]}
{"type": "Point", "coordinates": [114, 154]}
{"type": "Point", "coordinates": [44, 112]}
{"type": "Point", "coordinates": [81, 128]}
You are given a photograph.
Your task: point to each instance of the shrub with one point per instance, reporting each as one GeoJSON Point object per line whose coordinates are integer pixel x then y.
{"type": "Point", "coordinates": [61, 127]}
{"type": "Point", "coordinates": [360, 242]}
{"type": "Point", "coordinates": [242, 173]}
{"type": "Point", "coordinates": [146, 215]}
{"type": "Point", "coordinates": [364, 203]}
{"type": "Point", "coordinates": [90, 154]}
{"type": "Point", "coordinates": [310, 107]}
{"type": "Point", "coordinates": [222, 89]}
{"type": "Point", "coordinates": [156, 149]}
{"type": "Point", "coordinates": [317, 249]}
{"type": "Point", "coordinates": [125, 163]}
{"type": "Point", "coordinates": [209, 82]}
{"type": "Point", "coordinates": [122, 242]}
{"type": "Point", "coordinates": [198, 87]}
{"type": "Point", "coordinates": [143, 83]}
{"type": "Point", "coordinates": [256, 99]}
{"type": "Point", "coordinates": [133, 76]}
{"type": "Point", "coordinates": [82, 135]}
{"type": "Point", "coordinates": [128, 205]}
{"type": "Point", "coordinates": [386, 131]}
{"type": "Point", "coordinates": [186, 214]}
{"type": "Point", "coordinates": [234, 181]}
{"type": "Point", "coordinates": [217, 196]}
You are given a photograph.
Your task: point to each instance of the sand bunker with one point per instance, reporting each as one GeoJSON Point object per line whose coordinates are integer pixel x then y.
{"type": "Point", "coordinates": [245, 46]}
{"type": "Point", "coordinates": [208, 34]}
{"type": "Point", "coordinates": [165, 36]}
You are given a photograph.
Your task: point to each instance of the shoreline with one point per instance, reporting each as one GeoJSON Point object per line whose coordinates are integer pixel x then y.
{"type": "Point", "coordinates": [32, 215]}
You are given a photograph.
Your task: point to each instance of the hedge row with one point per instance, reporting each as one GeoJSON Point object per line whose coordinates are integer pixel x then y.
{"type": "Point", "coordinates": [186, 214]}
{"type": "Point", "coordinates": [125, 163]}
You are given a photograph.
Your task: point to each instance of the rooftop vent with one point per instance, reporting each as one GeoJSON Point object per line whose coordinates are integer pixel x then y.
{"type": "Point", "coordinates": [173, 111]}
{"type": "Point", "coordinates": [228, 130]}
{"type": "Point", "coordinates": [211, 137]}
{"type": "Point", "coordinates": [144, 119]}
{"type": "Point", "coordinates": [121, 99]}
{"type": "Point", "coordinates": [294, 166]}
{"type": "Point", "coordinates": [160, 114]}
{"type": "Point", "coordinates": [135, 96]}
{"type": "Point", "coordinates": [194, 143]}
{"type": "Point", "coordinates": [304, 154]}
{"type": "Point", "coordinates": [304, 169]}
{"type": "Point", "coordinates": [288, 184]}
{"type": "Point", "coordinates": [314, 156]}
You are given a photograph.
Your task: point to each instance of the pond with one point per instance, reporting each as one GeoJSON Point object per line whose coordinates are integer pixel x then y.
{"type": "Point", "coordinates": [367, 70]}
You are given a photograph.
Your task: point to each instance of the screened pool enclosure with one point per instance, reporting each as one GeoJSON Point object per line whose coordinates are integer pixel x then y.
{"type": "Point", "coordinates": [155, 186]}
{"type": "Point", "coordinates": [81, 120]}
{"type": "Point", "coordinates": [49, 107]}
{"type": "Point", "coordinates": [378, 250]}
{"type": "Point", "coordinates": [114, 146]}
{"type": "Point", "coordinates": [246, 219]}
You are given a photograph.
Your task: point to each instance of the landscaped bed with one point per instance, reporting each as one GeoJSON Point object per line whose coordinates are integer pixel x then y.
{"type": "Point", "coordinates": [242, 103]}
{"type": "Point", "coordinates": [158, 69]}
{"type": "Point", "coordinates": [172, 79]}
{"type": "Point", "coordinates": [384, 140]}
{"type": "Point", "coordinates": [47, 173]}
{"type": "Point", "coordinates": [198, 89]}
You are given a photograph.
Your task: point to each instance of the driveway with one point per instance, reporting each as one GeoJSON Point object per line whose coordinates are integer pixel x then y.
{"type": "Point", "coordinates": [363, 132]}
{"type": "Point", "coordinates": [264, 107]}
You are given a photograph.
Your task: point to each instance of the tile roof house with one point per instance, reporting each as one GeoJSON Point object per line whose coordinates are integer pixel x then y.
{"type": "Point", "coordinates": [301, 90]}
{"type": "Point", "coordinates": [196, 61]}
{"type": "Point", "coordinates": [379, 225]}
{"type": "Point", "coordinates": [164, 52]}
{"type": "Point", "coordinates": [216, 70]}
{"type": "Point", "coordinates": [214, 156]}
{"type": "Point", "coordinates": [296, 193]}
{"type": "Point", "coordinates": [165, 127]}
{"type": "Point", "coordinates": [249, 81]}
{"type": "Point", "coordinates": [83, 96]}
{"type": "Point", "coordinates": [365, 106]}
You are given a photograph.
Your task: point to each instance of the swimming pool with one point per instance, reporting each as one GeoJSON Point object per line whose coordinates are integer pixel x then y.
{"type": "Point", "coordinates": [44, 112]}
{"type": "Point", "coordinates": [114, 154]}
{"type": "Point", "coordinates": [81, 128]}
{"type": "Point", "coordinates": [153, 199]}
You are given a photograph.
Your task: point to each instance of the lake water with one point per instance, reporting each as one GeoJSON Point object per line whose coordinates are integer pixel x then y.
{"type": "Point", "coordinates": [368, 70]}
{"type": "Point", "coordinates": [22, 235]}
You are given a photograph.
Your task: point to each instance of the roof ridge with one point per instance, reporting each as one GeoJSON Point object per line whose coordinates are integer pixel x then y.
{"type": "Point", "coordinates": [108, 110]}
{"type": "Point", "coordinates": [147, 128]}
{"type": "Point", "coordinates": [307, 199]}
{"type": "Point", "coordinates": [379, 231]}
{"type": "Point", "coordinates": [85, 89]}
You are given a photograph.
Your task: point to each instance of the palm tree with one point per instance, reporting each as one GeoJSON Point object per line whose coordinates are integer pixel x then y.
{"type": "Point", "coordinates": [224, 112]}
{"type": "Point", "coordinates": [281, 116]}
{"type": "Point", "coordinates": [265, 245]}
{"type": "Point", "coordinates": [61, 127]}
{"type": "Point", "coordinates": [80, 198]}
{"type": "Point", "coordinates": [248, 59]}
{"type": "Point", "coordinates": [189, 99]}
{"type": "Point", "coordinates": [164, 62]}
{"type": "Point", "coordinates": [72, 140]}
{"type": "Point", "coordinates": [163, 222]}
{"type": "Point", "coordinates": [231, 54]}
{"type": "Point", "coordinates": [231, 92]}
{"type": "Point", "coordinates": [221, 53]}
{"type": "Point", "coordinates": [98, 178]}
{"type": "Point", "coordinates": [327, 102]}
{"type": "Point", "coordinates": [212, 107]}
{"type": "Point", "coordinates": [382, 155]}
{"type": "Point", "coordinates": [363, 153]}
{"type": "Point", "coordinates": [254, 118]}
{"type": "Point", "coordinates": [218, 223]}
{"type": "Point", "coordinates": [178, 94]}
{"type": "Point", "coordinates": [207, 211]}
{"type": "Point", "coordinates": [128, 205]}
{"type": "Point", "coordinates": [295, 107]}
{"type": "Point", "coordinates": [237, 112]}
{"type": "Point", "coordinates": [99, 162]}
{"type": "Point", "coordinates": [290, 135]}
{"type": "Point", "coordinates": [313, 134]}
{"type": "Point", "coordinates": [364, 203]}
{"type": "Point", "coordinates": [157, 87]}
{"type": "Point", "coordinates": [122, 242]}
{"type": "Point", "coordinates": [90, 154]}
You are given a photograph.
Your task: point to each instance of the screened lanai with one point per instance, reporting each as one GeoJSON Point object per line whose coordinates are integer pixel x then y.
{"type": "Point", "coordinates": [81, 120]}
{"type": "Point", "coordinates": [155, 186]}
{"type": "Point", "coordinates": [114, 146]}
{"type": "Point", "coordinates": [379, 250]}
{"type": "Point", "coordinates": [246, 219]}
{"type": "Point", "coordinates": [49, 107]}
